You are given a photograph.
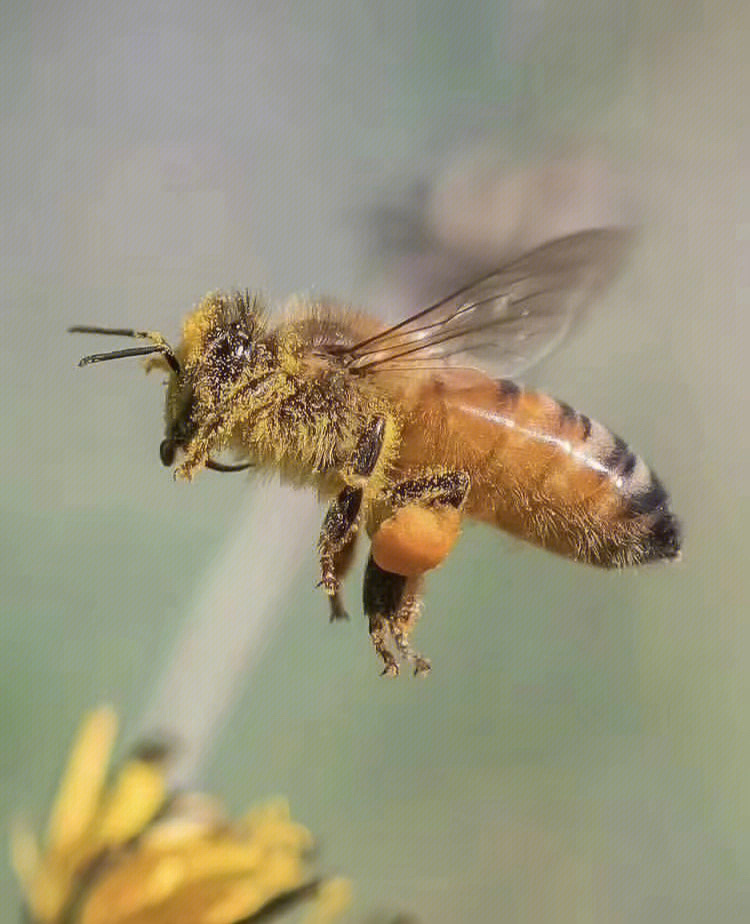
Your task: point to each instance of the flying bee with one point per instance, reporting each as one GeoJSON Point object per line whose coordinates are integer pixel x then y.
{"type": "Point", "coordinates": [402, 432]}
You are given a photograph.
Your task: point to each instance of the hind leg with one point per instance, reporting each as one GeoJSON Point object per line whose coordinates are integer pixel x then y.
{"type": "Point", "coordinates": [416, 538]}
{"type": "Point", "coordinates": [392, 604]}
{"type": "Point", "coordinates": [424, 522]}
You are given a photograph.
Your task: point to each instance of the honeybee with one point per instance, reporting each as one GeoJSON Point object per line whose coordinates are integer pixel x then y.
{"type": "Point", "coordinates": [404, 433]}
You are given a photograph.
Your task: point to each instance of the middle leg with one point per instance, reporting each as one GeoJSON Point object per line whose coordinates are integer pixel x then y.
{"type": "Point", "coordinates": [342, 562]}
{"type": "Point", "coordinates": [343, 515]}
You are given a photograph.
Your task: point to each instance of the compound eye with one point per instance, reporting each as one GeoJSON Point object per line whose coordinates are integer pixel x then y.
{"type": "Point", "coordinates": [241, 344]}
{"type": "Point", "coordinates": [167, 452]}
{"type": "Point", "coordinates": [240, 350]}
{"type": "Point", "coordinates": [233, 349]}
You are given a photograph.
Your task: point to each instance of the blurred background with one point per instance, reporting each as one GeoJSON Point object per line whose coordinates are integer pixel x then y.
{"type": "Point", "coordinates": [580, 750]}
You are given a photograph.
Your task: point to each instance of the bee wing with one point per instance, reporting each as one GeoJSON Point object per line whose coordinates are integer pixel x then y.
{"type": "Point", "coordinates": [508, 320]}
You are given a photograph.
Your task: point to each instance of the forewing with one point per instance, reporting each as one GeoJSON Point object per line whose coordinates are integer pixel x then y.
{"type": "Point", "coordinates": [508, 320]}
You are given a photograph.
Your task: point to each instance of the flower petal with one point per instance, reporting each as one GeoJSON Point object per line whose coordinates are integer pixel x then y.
{"type": "Point", "coordinates": [136, 796]}
{"type": "Point", "coordinates": [83, 781]}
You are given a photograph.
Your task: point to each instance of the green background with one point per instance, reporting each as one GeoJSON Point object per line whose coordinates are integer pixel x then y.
{"type": "Point", "coordinates": [580, 751]}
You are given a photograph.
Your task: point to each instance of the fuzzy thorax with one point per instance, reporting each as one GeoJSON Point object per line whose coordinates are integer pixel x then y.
{"type": "Point", "coordinates": [264, 395]}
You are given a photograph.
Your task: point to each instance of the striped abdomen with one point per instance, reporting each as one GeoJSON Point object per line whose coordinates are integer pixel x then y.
{"type": "Point", "coordinates": [544, 472]}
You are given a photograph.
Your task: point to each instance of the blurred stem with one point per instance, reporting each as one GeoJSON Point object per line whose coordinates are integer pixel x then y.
{"type": "Point", "coordinates": [238, 607]}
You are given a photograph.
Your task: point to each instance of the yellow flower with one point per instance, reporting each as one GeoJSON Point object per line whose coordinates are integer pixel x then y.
{"type": "Point", "coordinates": [129, 852]}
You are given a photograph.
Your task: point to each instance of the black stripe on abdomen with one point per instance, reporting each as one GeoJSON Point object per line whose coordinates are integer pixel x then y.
{"type": "Point", "coordinates": [508, 392]}
{"type": "Point", "coordinates": [644, 496]}
{"type": "Point", "coordinates": [621, 460]}
{"type": "Point", "coordinates": [663, 539]}
{"type": "Point", "coordinates": [652, 499]}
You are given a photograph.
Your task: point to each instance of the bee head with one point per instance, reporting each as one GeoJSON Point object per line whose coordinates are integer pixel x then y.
{"type": "Point", "coordinates": [221, 351]}
{"type": "Point", "coordinates": [219, 336]}
{"type": "Point", "coordinates": [219, 345]}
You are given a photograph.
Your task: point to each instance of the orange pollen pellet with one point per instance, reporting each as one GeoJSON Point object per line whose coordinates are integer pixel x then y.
{"type": "Point", "coordinates": [416, 539]}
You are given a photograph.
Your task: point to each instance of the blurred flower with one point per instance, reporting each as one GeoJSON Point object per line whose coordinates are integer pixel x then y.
{"type": "Point", "coordinates": [130, 851]}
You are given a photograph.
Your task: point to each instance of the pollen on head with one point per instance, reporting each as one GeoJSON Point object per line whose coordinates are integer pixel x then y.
{"type": "Point", "coordinates": [197, 323]}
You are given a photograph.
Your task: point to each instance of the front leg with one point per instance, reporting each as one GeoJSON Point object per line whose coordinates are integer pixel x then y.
{"type": "Point", "coordinates": [342, 519]}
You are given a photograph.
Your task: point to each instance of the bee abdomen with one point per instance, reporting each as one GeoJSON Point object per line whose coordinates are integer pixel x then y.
{"type": "Point", "coordinates": [557, 478]}
{"type": "Point", "coordinates": [632, 497]}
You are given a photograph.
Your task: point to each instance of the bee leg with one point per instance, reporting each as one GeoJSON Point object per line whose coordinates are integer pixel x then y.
{"type": "Point", "coordinates": [197, 451]}
{"type": "Point", "coordinates": [392, 604]}
{"type": "Point", "coordinates": [341, 520]}
{"type": "Point", "coordinates": [381, 596]}
{"type": "Point", "coordinates": [342, 561]}
{"type": "Point", "coordinates": [339, 525]}
{"type": "Point", "coordinates": [379, 633]}
{"type": "Point", "coordinates": [404, 621]}
{"type": "Point", "coordinates": [447, 489]}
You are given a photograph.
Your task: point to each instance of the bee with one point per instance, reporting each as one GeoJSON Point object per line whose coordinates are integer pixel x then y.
{"type": "Point", "coordinates": [408, 429]}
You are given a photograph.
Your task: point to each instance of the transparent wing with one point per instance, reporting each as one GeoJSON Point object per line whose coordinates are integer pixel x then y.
{"type": "Point", "coordinates": [508, 320]}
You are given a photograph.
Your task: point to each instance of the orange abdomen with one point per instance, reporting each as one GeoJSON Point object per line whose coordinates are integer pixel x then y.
{"type": "Point", "coordinates": [541, 471]}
